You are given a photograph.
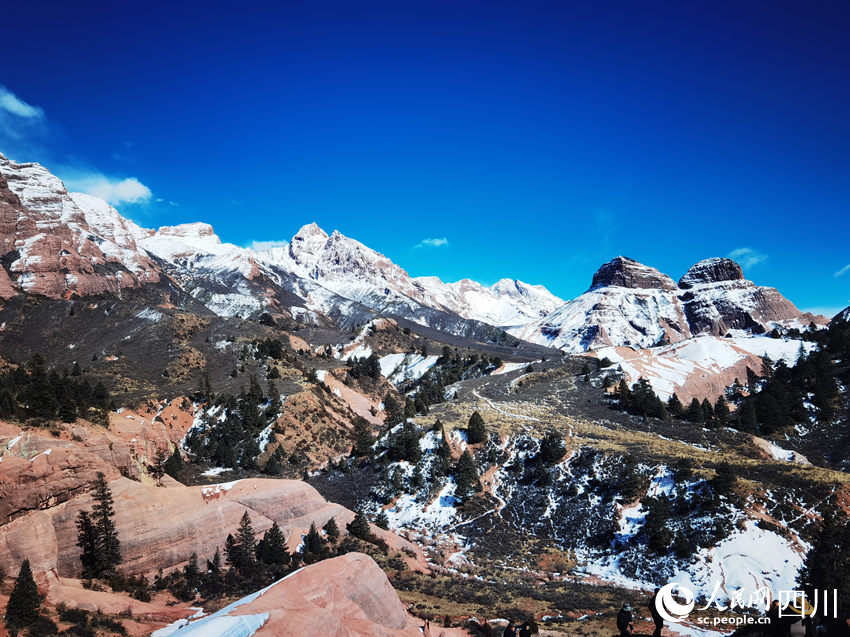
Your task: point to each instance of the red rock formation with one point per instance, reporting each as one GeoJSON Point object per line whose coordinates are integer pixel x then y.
{"type": "Point", "coordinates": [52, 247]}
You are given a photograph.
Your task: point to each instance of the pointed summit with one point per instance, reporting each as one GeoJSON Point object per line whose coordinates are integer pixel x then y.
{"type": "Point", "coordinates": [307, 242]}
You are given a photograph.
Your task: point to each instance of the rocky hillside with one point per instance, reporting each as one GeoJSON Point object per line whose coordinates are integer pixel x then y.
{"type": "Point", "coordinates": [633, 305]}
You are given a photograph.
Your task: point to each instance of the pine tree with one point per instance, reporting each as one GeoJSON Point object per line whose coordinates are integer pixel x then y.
{"type": "Point", "coordinates": [674, 406]}
{"type": "Point", "coordinates": [108, 547]}
{"type": "Point", "coordinates": [827, 564]}
{"type": "Point", "coordinates": [331, 530]}
{"type": "Point", "coordinates": [359, 527]}
{"type": "Point", "coordinates": [466, 477]}
{"type": "Point", "coordinates": [22, 609]}
{"type": "Point", "coordinates": [87, 541]}
{"type": "Point", "coordinates": [272, 548]}
{"type": "Point", "coordinates": [393, 411]}
{"type": "Point", "coordinates": [174, 465]}
{"type": "Point", "coordinates": [476, 431]}
{"type": "Point", "coordinates": [656, 527]}
{"type": "Point", "coordinates": [274, 397]}
{"type": "Point", "coordinates": [382, 521]}
{"type": "Point", "coordinates": [748, 420]}
{"type": "Point", "coordinates": [191, 572]}
{"type": "Point", "coordinates": [721, 410]}
{"type": "Point", "coordinates": [362, 438]}
{"type": "Point", "coordinates": [246, 546]}
{"type": "Point", "coordinates": [695, 413]}
{"type": "Point", "coordinates": [157, 470]}
{"type": "Point", "coordinates": [315, 548]}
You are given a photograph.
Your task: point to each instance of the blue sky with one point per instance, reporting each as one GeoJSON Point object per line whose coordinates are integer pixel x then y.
{"type": "Point", "coordinates": [463, 139]}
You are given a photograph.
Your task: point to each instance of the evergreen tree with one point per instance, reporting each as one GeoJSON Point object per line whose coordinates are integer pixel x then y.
{"type": "Point", "coordinates": [271, 549]}
{"type": "Point", "coordinates": [246, 544]}
{"type": "Point", "coordinates": [656, 526]}
{"type": "Point", "coordinates": [724, 480]}
{"type": "Point", "coordinates": [315, 548]}
{"type": "Point", "coordinates": [274, 465]}
{"type": "Point", "coordinates": [695, 413]}
{"type": "Point", "coordinates": [721, 411]}
{"type": "Point", "coordinates": [22, 609]}
{"type": "Point", "coordinates": [157, 469]}
{"type": "Point", "coordinates": [108, 547]}
{"type": "Point", "coordinates": [174, 465]}
{"type": "Point", "coordinates": [359, 527]}
{"type": "Point", "coordinates": [382, 521]}
{"type": "Point", "coordinates": [552, 448]}
{"type": "Point", "coordinates": [623, 390]}
{"type": "Point", "coordinates": [331, 530]}
{"type": "Point", "coordinates": [275, 403]}
{"type": "Point", "coordinates": [674, 406]}
{"type": "Point", "coordinates": [476, 431]}
{"type": "Point", "coordinates": [87, 541]}
{"type": "Point", "coordinates": [827, 564]}
{"type": "Point", "coordinates": [362, 438]}
{"type": "Point", "coordinates": [394, 413]}
{"type": "Point", "coordinates": [748, 420]}
{"type": "Point", "coordinates": [466, 477]}
{"type": "Point", "coordinates": [192, 573]}
{"type": "Point", "coordinates": [707, 411]}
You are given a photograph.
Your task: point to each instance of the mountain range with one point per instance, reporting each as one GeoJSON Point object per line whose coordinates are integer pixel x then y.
{"type": "Point", "coordinates": [59, 244]}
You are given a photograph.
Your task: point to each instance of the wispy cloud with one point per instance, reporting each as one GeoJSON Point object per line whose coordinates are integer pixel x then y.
{"type": "Point", "coordinates": [842, 271]}
{"type": "Point", "coordinates": [11, 103]}
{"type": "Point", "coordinates": [114, 190]}
{"type": "Point", "coordinates": [26, 134]}
{"type": "Point", "coordinates": [747, 257]}
{"type": "Point", "coordinates": [440, 242]}
{"type": "Point", "coordinates": [259, 246]}
{"type": "Point", "coordinates": [22, 125]}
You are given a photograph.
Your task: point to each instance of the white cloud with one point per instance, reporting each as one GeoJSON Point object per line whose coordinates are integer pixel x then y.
{"type": "Point", "coordinates": [114, 190]}
{"type": "Point", "coordinates": [842, 271]}
{"type": "Point", "coordinates": [747, 257]}
{"type": "Point", "coordinates": [22, 126]}
{"type": "Point", "coordinates": [11, 103]}
{"type": "Point", "coordinates": [259, 246]}
{"type": "Point", "coordinates": [440, 242]}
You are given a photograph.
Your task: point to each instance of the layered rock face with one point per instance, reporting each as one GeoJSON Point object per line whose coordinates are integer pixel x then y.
{"type": "Point", "coordinates": [51, 247]}
{"type": "Point", "coordinates": [632, 305]}
{"type": "Point", "coordinates": [345, 596]}
{"type": "Point", "coordinates": [718, 299]}
{"type": "Point", "coordinates": [160, 527]}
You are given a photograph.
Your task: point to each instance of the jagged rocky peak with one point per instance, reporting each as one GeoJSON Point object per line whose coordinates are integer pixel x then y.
{"type": "Point", "coordinates": [711, 271]}
{"type": "Point", "coordinates": [628, 273]}
{"type": "Point", "coordinates": [309, 240]}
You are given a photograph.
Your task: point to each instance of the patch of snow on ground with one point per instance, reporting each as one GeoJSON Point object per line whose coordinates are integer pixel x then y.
{"type": "Point", "coordinates": [215, 471]}
{"type": "Point", "coordinates": [751, 559]}
{"type": "Point", "coordinates": [149, 314]}
{"type": "Point", "coordinates": [436, 515]}
{"type": "Point", "coordinates": [507, 368]}
{"type": "Point", "coordinates": [405, 367]}
{"type": "Point", "coordinates": [779, 453]}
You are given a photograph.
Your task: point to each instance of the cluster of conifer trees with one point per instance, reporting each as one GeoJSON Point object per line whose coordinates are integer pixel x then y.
{"type": "Point", "coordinates": [233, 424]}
{"type": "Point", "coordinates": [32, 392]}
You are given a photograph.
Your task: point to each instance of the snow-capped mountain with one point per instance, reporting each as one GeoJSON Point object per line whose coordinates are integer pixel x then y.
{"type": "Point", "coordinates": [633, 305]}
{"type": "Point", "coordinates": [352, 270]}
{"type": "Point", "coordinates": [59, 243]}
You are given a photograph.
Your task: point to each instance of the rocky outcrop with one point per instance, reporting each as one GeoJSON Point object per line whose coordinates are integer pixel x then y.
{"type": "Point", "coordinates": [39, 470]}
{"type": "Point", "coordinates": [347, 596]}
{"type": "Point", "coordinates": [160, 527]}
{"type": "Point", "coordinates": [628, 273]}
{"type": "Point", "coordinates": [632, 305]}
{"type": "Point", "coordinates": [711, 271]}
{"type": "Point", "coordinates": [50, 247]}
